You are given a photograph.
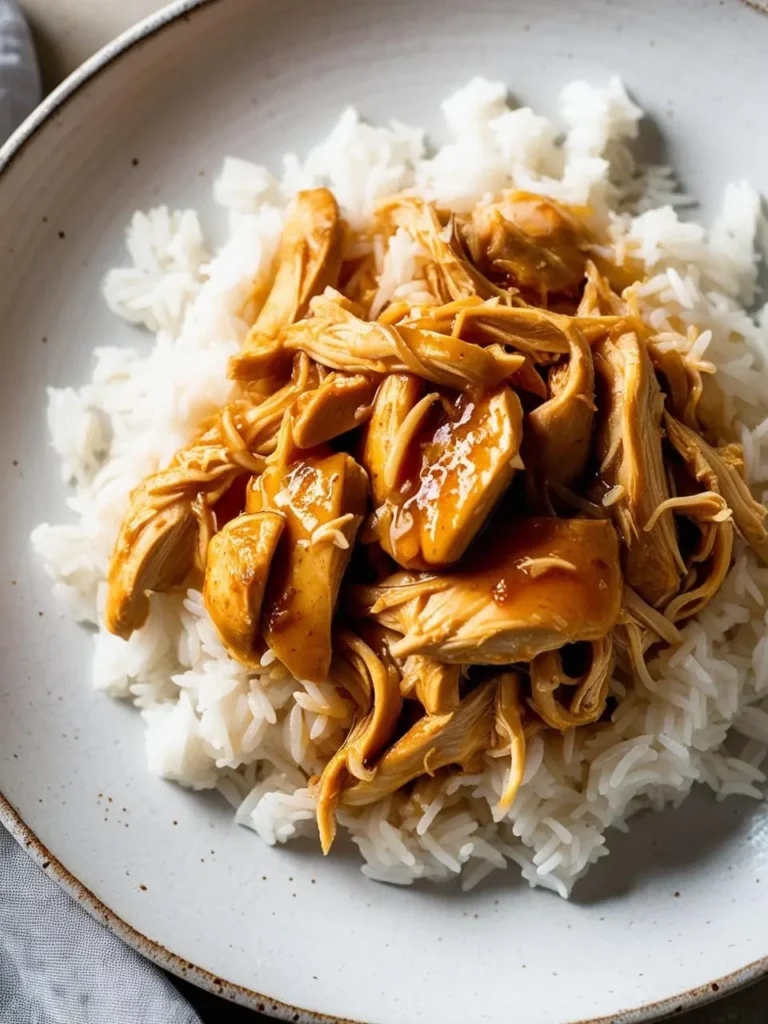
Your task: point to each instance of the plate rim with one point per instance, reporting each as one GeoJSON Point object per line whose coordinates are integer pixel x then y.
{"type": "Point", "coordinates": [161, 956]}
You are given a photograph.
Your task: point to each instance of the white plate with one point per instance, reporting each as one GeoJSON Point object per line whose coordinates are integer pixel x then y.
{"type": "Point", "coordinates": [678, 904]}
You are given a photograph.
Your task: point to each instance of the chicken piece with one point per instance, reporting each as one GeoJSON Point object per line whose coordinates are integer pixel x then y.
{"type": "Point", "coordinates": [434, 742]}
{"type": "Point", "coordinates": [538, 246]}
{"type": "Point", "coordinates": [533, 242]}
{"type": "Point", "coordinates": [509, 731]}
{"type": "Point", "coordinates": [532, 586]}
{"type": "Point", "coordinates": [172, 513]}
{"type": "Point", "coordinates": [560, 431]}
{"type": "Point", "coordinates": [395, 400]}
{"type": "Point", "coordinates": [539, 333]}
{"type": "Point", "coordinates": [629, 447]}
{"type": "Point", "coordinates": [590, 691]}
{"type": "Point", "coordinates": [323, 496]}
{"type": "Point", "coordinates": [369, 734]}
{"type": "Point", "coordinates": [598, 298]}
{"type": "Point", "coordinates": [308, 262]}
{"type": "Point", "coordinates": [707, 577]}
{"type": "Point", "coordinates": [340, 403]}
{"type": "Point", "coordinates": [720, 470]}
{"type": "Point", "coordinates": [433, 683]}
{"type": "Point", "coordinates": [639, 628]}
{"type": "Point", "coordinates": [681, 382]}
{"type": "Point", "coordinates": [438, 472]}
{"type": "Point", "coordinates": [450, 274]}
{"type": "Point", "coordinates": [337, 338]}
{"type": "Point", "coordinates": [239, 560]}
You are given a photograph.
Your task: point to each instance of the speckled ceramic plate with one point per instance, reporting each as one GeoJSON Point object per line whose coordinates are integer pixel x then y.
{"type": "Point", "coordinates": [676, 913]}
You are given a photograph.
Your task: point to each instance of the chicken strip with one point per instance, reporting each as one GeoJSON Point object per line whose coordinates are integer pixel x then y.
{"type": "Point", "coordinates": [630, 450]}
{"type": "Point", "coordinates": [532, 586]}
{"type": "Point", "coordinates": [308, 261]}
{"type": "Point", "coordinates": [434, 742]}
{"type": "Point", "coordinates": [717, 469]}
{"type": "Point", "coordinates": [433, 683]}
{"type": "Point", "coordinates": [171, 515]}
{"type": "Point", "coordinates": [380, 688]}
{"type": "Point", "coordinates": [340, 403]}
{"type": "Point", "coordinates": [239, 560]}
{"type": "Point", "coordinates": [335, 337]}
{"type": "Point", "coordinates": [559, 431]}
{"type": "Point", "coordinates": [323, 497]}
{"type": "Point", "coordinates": [438, 469]}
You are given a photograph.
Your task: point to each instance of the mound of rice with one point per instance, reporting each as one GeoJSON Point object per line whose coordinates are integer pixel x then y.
{"type": "Point", "coordinates": [212, 724]}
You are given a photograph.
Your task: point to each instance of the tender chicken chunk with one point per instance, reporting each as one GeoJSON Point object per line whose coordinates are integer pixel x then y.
{"type": "Point", "coordinates": [530, 587]}
{"type": "Point", "coordinates": [396, 399]}
{"type": "Point", "coordinates": [434, 742]}
{"type": "Point", "coordinates": [537, 245]}
{"type": "Point", "coordinates": [340, 403]}
{"type": "Point", "coordinates": [433, 683]}
{"type": "Point", "coordinates": [719, 469]}
{"type": "Point", "coordinates": [533, 242]}
{"type": "Point", "coordinates": [450, 274]}
{"type": "Point", "coordinates": [629, 447]}
{"type": "Point", "coordinates": [380, 690]}
{"type": "Point", "coordinates": [308, 261]}
{"type": "Point", "coordinates": [559, 431]}
{"type": "Point", "coordinates": [539, 333]}
{"type": "Point", "coordinates": [239, 560]}
{"type": "Point", "coordinates": [323, 496]}
{"type": "Point", "coordinates": [438, 469]}
{"type": "Point", "coordinates": [339, 339]}
{"type": "Point", "coordinates": [172, 513]}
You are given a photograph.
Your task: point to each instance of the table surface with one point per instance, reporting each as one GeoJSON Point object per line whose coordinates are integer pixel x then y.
{"type": "Point", "coordinates": [66, 32]}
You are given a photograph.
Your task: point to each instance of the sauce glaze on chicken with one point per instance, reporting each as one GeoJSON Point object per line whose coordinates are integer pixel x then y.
{"type": "Point", "coordinates": [468, 515]}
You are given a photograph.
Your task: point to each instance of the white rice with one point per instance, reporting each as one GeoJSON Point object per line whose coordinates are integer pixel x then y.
{"type": "Point", "coordinates": [258, 737]}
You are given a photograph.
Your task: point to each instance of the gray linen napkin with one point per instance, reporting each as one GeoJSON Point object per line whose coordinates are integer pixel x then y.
{"type": "Point", "coordinates": [58, 965]}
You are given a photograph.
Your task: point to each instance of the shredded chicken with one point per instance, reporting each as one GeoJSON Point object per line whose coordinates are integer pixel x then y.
{"type": "Point", "coordinates": [450, 273]}
{"type": "Point", "coordinates": [531, 242]}
{"type": "Point", "coordinates": [340, 403]}
{"type": "Point", "coordinates": [433, 683]}
{"type": "Point", "coordinates": [498, 463]}
{"type": "Point", "coordinates": [560, 430]}
{"type": "Point", "coordinates": [495, 612]}
{"type": "Point", "coordinates": [438, 468]}
{"type": "Point", "coordinates": [629, 446]}
{"type": "Point", "coordinates": [367, 736]}
{"type": "Point", "coordinates": [589, 692]}
{"type": "Point", "coordinates": [719, 469]}
{"type": "Point", "coordinates": [510, 733]}
{"type": "Point", "coordinates": [158, 538]}
{"type": "Point", "coordinates": [337, 338]}
{"type": "Point", "coordinates": [239, 561]}
{"type": "Point", "coordinates": [308, 262]}
{"type": "Point", "coordinates": [311, 489]}
{"type": "Point", "coordinates": [434, 742]}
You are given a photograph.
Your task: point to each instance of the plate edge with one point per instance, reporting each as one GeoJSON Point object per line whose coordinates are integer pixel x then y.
{"type": "Point", "coordinates": [154, 951]}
